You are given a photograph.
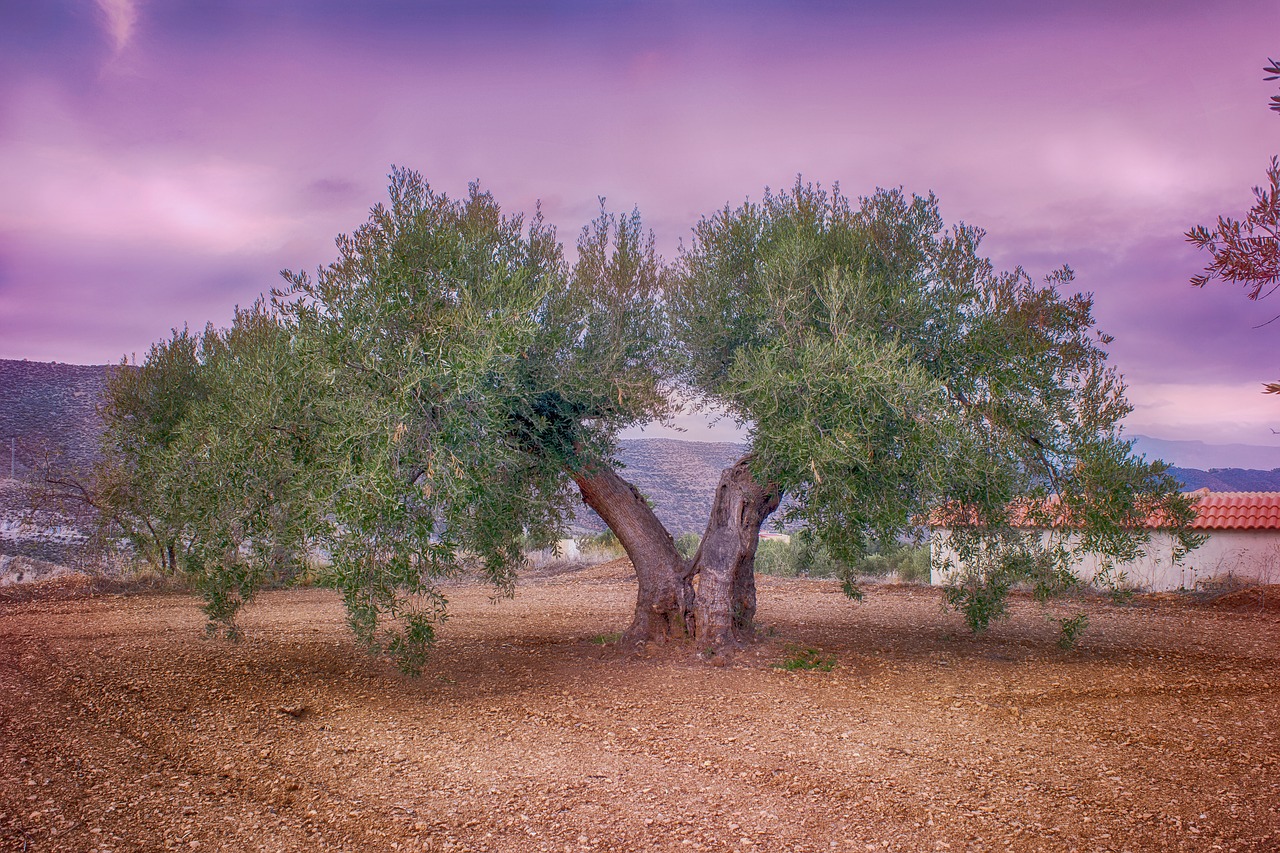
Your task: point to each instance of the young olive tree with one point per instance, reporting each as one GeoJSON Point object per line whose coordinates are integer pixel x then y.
{"type": "Point", "coordinates": [203, 459]}
{"type": "Point", "coordinates": [885, 371]}
{"type": "Point", "coordinates": [238, 474]}
{"type": "Point", "coordinates": [143, 410]}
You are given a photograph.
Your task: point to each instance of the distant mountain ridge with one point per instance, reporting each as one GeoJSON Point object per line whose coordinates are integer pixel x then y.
{"type": "Point", "coordinates": [1216, 467]}
{"type": "Point", "coordinates": [1197, 455]}
{"type": "Point", "coordinates": [49, 408]}
{"type": "Point", "coordinates": [1228, 479]}
{"type": "Point", "coordinates": [678, 477]}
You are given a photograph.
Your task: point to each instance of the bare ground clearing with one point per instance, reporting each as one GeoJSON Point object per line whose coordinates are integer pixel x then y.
{"type": "Point", "coordinates": [123, 728]}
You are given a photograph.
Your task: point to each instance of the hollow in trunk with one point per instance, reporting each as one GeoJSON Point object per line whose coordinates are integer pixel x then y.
{"type": "Point", "coordinates": [725, 563]}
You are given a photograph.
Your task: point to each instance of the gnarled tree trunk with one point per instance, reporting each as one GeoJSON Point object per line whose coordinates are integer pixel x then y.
{"type": "Point", "coordinates": [725, 562]}
{"type": "Point", "coordinates": [664, 598]}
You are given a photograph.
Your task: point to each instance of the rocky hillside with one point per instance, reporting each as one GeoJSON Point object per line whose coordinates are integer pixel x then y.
{"type": "Point", "coordinates": [48, 408]}
{"type": "Point", "coordinates": [678, 477]}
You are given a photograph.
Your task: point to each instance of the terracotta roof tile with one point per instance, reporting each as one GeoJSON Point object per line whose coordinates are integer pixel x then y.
{"type": "Point", "coordinates": [1214, 511]}
{"type": "Point", "coordinates": [1237, 511]}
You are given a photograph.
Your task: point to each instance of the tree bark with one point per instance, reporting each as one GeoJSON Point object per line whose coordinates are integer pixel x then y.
{"type": "Point", "coordinates": [725, 563]}
{"type": "Point", "coordinates": [664, 597]}
{"type": "Point", "coordinates": [285, 564]}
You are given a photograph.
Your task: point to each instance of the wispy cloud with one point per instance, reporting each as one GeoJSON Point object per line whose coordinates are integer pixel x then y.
{"type": "Point", "coordinates": [120, 21]}
{"type": "Point", "coordinates": [1213, 412]}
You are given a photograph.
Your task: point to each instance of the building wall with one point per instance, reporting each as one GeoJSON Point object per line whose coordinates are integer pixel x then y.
{"type": "Point", "coordinates": [1248, 554]}
{"type": "Point", "coordinates": [564, 550]}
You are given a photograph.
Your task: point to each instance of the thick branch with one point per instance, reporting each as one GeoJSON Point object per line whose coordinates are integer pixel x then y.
{"type": "Point", "coordinates": [664, 599]}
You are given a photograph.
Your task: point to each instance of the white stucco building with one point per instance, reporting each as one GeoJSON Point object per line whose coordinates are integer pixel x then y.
{"type": "Point", "coordinates": [1243, 543]}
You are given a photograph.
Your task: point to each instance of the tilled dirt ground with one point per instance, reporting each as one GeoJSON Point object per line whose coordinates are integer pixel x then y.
{"type": "Point", "coordinates": [122, 727]}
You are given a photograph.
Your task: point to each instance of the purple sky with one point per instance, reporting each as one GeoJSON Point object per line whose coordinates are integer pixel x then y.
{"type": "Point", "coordinates": [161, 161]}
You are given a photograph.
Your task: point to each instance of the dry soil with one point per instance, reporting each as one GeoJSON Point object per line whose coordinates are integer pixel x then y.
{"type": "Point", "coordinates": [122, 727]}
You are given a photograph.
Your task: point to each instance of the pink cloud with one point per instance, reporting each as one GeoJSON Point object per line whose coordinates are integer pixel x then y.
{"type": "Point", "coordinates": [120, 18]}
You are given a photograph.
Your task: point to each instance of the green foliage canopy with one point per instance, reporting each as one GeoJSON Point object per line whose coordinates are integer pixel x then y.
{"type": "Point", "coordinates": [468, 371]}
{"type": "Point", "coordinates": [886, 371]}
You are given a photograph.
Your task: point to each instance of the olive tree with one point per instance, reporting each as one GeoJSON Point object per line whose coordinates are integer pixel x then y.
{"type": "Point", "coordinates": [142, 410]}
{"type": "Point", "coordinates": [451, 387]}
{"type": "Point", "coordinates": [886, 373]}
{"type": "Point", "coordinates": [237, 475]}
{"type": "Point", "coordinates": [1245, 251]}
{"type": "Point", "coordinates": [204, 457]}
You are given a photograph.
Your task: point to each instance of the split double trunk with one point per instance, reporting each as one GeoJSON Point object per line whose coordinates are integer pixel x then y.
{"type": "Point", "coordinates": [720, 611]}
